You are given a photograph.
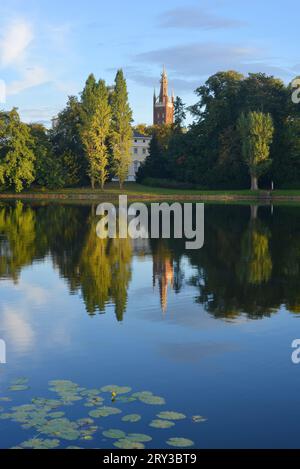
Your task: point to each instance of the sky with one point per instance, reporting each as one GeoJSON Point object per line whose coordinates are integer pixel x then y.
{"type": "Point", "coordinates": [49, 47]}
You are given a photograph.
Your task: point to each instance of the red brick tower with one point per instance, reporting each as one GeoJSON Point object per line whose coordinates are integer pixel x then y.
{"type": "Point", "coordinates": [163, 105]}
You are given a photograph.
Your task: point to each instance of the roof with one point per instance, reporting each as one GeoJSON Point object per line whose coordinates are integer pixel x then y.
{"type": "Point", "coordinates": [139, 135]}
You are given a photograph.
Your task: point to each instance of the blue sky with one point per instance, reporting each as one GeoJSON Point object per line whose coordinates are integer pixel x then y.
{"type": "Point", "coordinates": [48, 47]}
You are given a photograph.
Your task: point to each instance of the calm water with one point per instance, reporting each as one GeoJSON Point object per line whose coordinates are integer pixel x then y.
{"type": "Point", "coordinates": [208, 330]}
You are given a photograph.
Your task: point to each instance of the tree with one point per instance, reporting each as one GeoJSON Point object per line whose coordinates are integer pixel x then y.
{"type": "Point", "coordinates": [66, 143]}
{"type": "Point", "coordinates": [49, 169]}
{"type": "Point", "coordinates": [179, 112]}
{"type": "Point", "coordinates": [256, 130]}
{"type": "Point", "coordinates": [16, 155]}
{"type": "Point", "coordinates": [95, 130]}
{"type": "Point", "coordinates": [95, 133]}
{"type": "Point", "coordinates": [121, 132]}
{"type": "Point", "coordinates": [156, 163]}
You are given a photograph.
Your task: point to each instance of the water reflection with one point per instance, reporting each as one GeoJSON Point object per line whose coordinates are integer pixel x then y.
{"type": "Point", "coordinates": [250, 263]}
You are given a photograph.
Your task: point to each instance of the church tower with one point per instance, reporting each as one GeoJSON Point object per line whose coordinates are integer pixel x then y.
{"type": "Point", "coordinates": [163, 105]}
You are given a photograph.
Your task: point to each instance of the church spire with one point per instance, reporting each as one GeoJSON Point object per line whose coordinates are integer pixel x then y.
{"type": "Point", "coordinates": [163, 105]}
{"type": "Point", "coordinates": [163, 96]}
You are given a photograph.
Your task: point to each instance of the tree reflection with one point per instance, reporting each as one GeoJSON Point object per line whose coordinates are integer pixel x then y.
{"type": "Point", "coordinates": [249, 265]}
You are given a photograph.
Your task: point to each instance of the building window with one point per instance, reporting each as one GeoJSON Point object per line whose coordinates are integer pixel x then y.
{"type": "Point", "coordinates": [136, 166]}
{"type": "Point", "coordinates": [135, 151]}
{"type": "Point", "coordinates": [144, 151]}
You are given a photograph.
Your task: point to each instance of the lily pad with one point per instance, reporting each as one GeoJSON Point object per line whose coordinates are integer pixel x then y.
{"type": "Point", "coordinates": [126, 399]}
{"type": "Point", "coordinates": [115, 434]}
{"type": "Point", "coordinates": [19, 381]}
{"type": "Point", "coordinates": [18, 387]}
{"type": "Point", "coordinates": [148, 398]}
{"type": "Point", "coordinates": [104, 412]}
{"type": "Point", "coordinates": [132, 418]}
{"type": "Point", "coordinates": [85, 421]}
{"type": "Point", "coordinates": [62, 428]}
{"type": "Point", "coordinates": [116, 389]}
{"type": "Point", "coordinates": [38, 443]}
{"type": "Point", "coordinates": [157, 423]}
{"type": "Point", "coordinates": [180, 442]}
{"type": "Point", "coordinates": [128, 444]}
{"type": "Point", "coordinates": [139, 437]}
{"type": "Point", "coordinates": [170, 415]}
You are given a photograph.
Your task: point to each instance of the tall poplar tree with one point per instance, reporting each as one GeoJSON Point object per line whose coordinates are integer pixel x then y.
{"type": "Point", "coordinates": [256, 130]}
{"type": "Point", "coordinates": [95, 129]}
{"type": "Point", "coordinates": [121, 131]}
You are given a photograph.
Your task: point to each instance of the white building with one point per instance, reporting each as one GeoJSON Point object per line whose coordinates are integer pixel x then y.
{"type": "Point", "coordinates": [140, 150]}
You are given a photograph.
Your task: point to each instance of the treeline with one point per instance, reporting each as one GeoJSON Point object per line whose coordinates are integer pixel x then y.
{"type": "Point", "coordinates": [244, 130]}
{"type": "Point", "coordinates": [89, 142]}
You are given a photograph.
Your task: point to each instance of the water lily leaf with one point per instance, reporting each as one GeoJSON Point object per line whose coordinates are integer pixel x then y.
{"type": "Point", "coordinates": [63, 383]}
{"type": "Point", "coordinates": [148, 398]}
{"type": "Point", "coordinates": [94, 401]}
{"type": "Point", "coordinates": [170, 415]}
{"type": "Point", "coordinates": [180, 442]}
{"type": "Point", "coordinates": [126, 399]}
{"type": "Point", "coordinates": [86, 437]}
{"type": "Point", "coordinates": [19, 381]}
{"type": "Point", "coordinates": [140, 394]}
{"type": "Point", "coordinates": [115, 434]}
{"type": "Point", "coordinates": [46, 403]}
{"type": "Point", "coordinates": [85, 421]}
{"type": "Point", "coordinates": [116, 389]}
{"type": "Point", "coordinates": [132, 418]}
{"type": "Point", "coordinates": [56, 415]}
{"type": "Point", "coordinates": [128, 444]}
{"type": "Point", "coordinates": [73, 447]}
{"type": "Point", "coordinates": [18, 387]}
{"type": "Point", "coordinates": [38, 443]}
{"type": "Point", "coordinates": [138, 437]}
{"type": "Point", "coordinates": [61, 427]}
{"type": "Point", "coordinates": [90, 392]}
{"type": "Point", "coordinates": [104, 412]}
{"type": "Point", "coordinates": [5, 399]}
{"type": "Point", "coordinates": [157, 423]}
{"type": "Point", "coordinates": [5, 416]}
{"type": "Point", "coordinates": [198, 419]}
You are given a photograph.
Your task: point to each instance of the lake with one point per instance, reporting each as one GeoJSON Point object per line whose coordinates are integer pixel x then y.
{"type": "Point", "coordinates": [122, 343]}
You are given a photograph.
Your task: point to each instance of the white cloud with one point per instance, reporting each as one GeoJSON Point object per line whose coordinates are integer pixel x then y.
{"type": "Point", "coordinates": [16, 39]}
{"type": "Point", "coordinates": [31, 77]}
{"type": "Point", "coordinates": [18, 328]}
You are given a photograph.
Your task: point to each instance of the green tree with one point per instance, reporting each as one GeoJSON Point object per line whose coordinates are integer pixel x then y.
{"type": "Point", "coordinates": [16, 155]}
{"type": "Point", "coordinates": [121, 131]}
{"type": "Point", "coordinates": [50, 170]}
{"type": "Point", "coordinates": [66, 143]}
{"type": "Point", "coordinates": [179, 112]}
{"type": "Point", "coordinates": [256, 130]}
{"type": "Point", "coordinates": [95, 129]}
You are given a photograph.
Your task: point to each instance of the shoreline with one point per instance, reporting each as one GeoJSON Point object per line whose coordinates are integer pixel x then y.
{"type": "Point", "coordinates": [77, 196]}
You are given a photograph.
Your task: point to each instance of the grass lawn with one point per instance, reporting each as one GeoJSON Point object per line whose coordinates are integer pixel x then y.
{"type": "Point", "coordinates": [134, 190]}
